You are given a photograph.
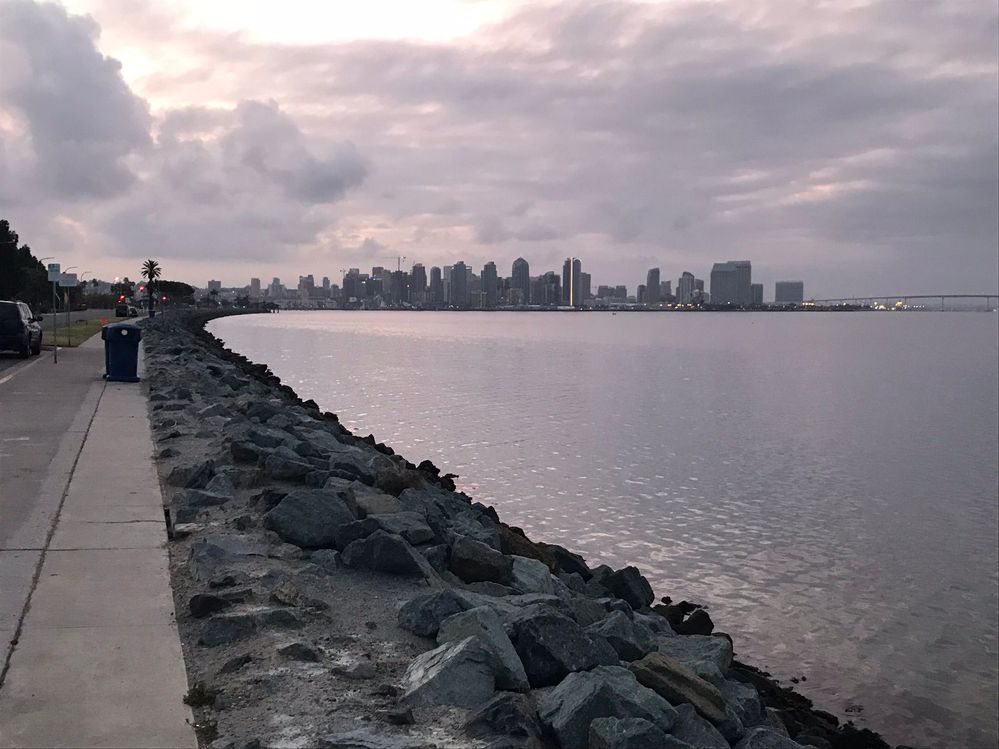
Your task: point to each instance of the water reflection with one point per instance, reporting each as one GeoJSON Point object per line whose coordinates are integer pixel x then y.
{"type": "Point", "coordinates": [826, 484]}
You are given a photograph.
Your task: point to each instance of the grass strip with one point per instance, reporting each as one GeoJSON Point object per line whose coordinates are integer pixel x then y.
{"type": "Point", "coordinates": [74, 335]}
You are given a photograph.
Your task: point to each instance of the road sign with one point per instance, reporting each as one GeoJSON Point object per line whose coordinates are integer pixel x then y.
{"type": "Point", "coordinates": [68, 280]}
{"type": "Point", "coordinates": [54, 273]}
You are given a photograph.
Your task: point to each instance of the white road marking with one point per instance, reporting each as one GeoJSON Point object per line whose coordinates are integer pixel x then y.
{"type": "Point", "coordinates": [16, 372]}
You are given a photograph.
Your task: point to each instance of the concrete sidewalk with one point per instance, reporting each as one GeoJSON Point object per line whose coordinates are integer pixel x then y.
{"type": "Point", "coordinates": [98, 661]}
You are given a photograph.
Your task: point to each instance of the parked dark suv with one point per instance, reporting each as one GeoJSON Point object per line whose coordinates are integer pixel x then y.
{"type": "Point", "coordinates": [19, 330]}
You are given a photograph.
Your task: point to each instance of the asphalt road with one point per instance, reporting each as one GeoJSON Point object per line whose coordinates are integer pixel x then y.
{"type": "Point", "coordinates": [9, 360]}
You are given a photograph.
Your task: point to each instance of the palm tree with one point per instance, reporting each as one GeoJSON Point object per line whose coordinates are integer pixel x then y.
{"type": "Point", "coordinates": [150, 271]}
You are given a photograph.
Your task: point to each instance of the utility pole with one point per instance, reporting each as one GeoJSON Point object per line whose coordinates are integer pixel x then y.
{"type": "Point", "coordinates": [67, 281]}
{"type": "Point", "coordinates": [53, 276]}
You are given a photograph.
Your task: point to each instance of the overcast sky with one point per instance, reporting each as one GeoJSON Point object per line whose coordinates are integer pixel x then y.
{"type": "Point", "coordinates": [854, 145]}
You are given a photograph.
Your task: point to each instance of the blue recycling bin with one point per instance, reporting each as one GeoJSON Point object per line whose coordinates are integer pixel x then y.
{"type": "Point", "coordinates": [121, 352]}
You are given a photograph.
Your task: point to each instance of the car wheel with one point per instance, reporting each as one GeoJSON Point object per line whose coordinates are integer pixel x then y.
{"type": "Point", "coordinates": [25, 350]}
{"type": "Point", "coordinates": [37, 348]}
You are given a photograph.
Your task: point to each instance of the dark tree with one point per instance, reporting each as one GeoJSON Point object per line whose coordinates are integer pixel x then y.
{"type": "Point", "coordinates": [22, 276]}
{"type": "Point", "coordinates": [151, 271]}
{"type": "Point", "coordinates": [176, 292]}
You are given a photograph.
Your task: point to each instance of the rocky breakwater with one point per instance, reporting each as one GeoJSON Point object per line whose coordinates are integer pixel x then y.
{"type": "Point", "coordinates": [332, 594]}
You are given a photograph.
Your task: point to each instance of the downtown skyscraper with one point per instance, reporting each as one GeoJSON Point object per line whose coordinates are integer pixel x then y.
{"type": "Point", "coordinates": [459, 285]}
{"type": "Point", "coordinates": [521, 279]}
{"type": "Point", "coordinates": [652, 291]}
{"type": "Point", "coordinates": [572, 288]}
{"type": "Point", "coordinates": [731, 283]}
{"type": "Point", "coordinates": [490, 286]}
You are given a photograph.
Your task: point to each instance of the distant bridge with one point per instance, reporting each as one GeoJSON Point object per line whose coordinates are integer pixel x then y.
{"type": "Point", "coordinates": [891, 299]}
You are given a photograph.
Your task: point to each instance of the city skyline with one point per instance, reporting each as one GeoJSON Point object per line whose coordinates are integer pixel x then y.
{"type": "Point", "coordinates": [852, 145]}
{"type": "Point", "coordinates": [458, 286]}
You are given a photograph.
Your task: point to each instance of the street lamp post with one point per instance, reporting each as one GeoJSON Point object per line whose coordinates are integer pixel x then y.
{"type": "Point", "coordinates": [83, 284]}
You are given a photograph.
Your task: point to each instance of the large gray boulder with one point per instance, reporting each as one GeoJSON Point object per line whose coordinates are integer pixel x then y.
{"type": "Point", "coordinates": [349, 470]}
{"type": "Point", "coordinates": [216, 553]}
{"type": "Point", "coordinates": [194, 476]}
{"type": "Point", "coordinates": [654, 622]}
{"type": "Point", "coordinates": [696, 731]}
{"type": "Point", "coordinates": [605, 692]}
{"type": "Point", "coordinates": [373, 502]}
{"type": "Point", "coordinates": [630, 733]}
{"type": "Point", "coordinates": [201, 605]}
{"type": "Point", "coordinates": [510, 716]}
{"type": "Point", "coordinates": [456, 673]}
{"type": "Point", "coordinates": [629, 585]}
{"type": "Point", "coordinates": [629, 639]}
{"type": "Point", "coordinates": [568, 561]}
{"type": "Point", "coordinates": [409, 525]}
{"type": "Point", "coordinates": [386, 552]}
{"type": "Point", "coordinates": [267, 438]}
{"type": "Point", "coordinates": [552, 646]}
{"type": "Point", "coordinates": [309, 518]}
{"type": "Point", "coordinates": [745, 700]}
{"type": "Point", "coordinates": [244, 452]}
{"type": "Point", "coordinates": [198, 498]}
{"type": "Point", "coordinates": [773, 721]}
{"type": "Point", "coordinates": [223, 482]}
{"type": "Point", "coordinates": [766, 738]}
{"type": "Point", "coordinates": [484, 623]}
{"type": "Point", "coordinates": [531, 576]}
{"type": "Point", "coordinates": [263, 410]}
{"type": "Point", "coordinates": [285, 468]}
{"type": "Point", "coordinates": [322, 440]}
{"type": "Point", "coordinates": [474, 561]}
{"type": "Point", "coordinates": [583, 610]}
{"type": "Point", "coordinates": [451, 515]}
{"type": "Point", "coordinates": [708, 656]}
{"type": "Point", "coordinates": [732, 729]}
{"type": "Point", "coordinates": [227, 628]}
{"type": "Point", "coordinates": [423, 615]}
{"type": "Point", "coordinates": [678, 684]}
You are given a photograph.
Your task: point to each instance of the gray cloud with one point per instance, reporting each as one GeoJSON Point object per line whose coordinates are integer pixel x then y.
{"type": "Point", "coordinates": [268, 142]}
{"type": "Point", "coordinates": [490, 230]}
{"type": "Point", "coordinates": [82, 119]}
{"type": "Point", "coordinates": [193, 184]}
{"type": "Point", "coordinates": [239, 183]}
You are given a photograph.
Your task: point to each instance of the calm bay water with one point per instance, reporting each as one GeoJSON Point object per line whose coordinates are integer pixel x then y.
{"type": "Point", "coordinates": [825, 483]}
